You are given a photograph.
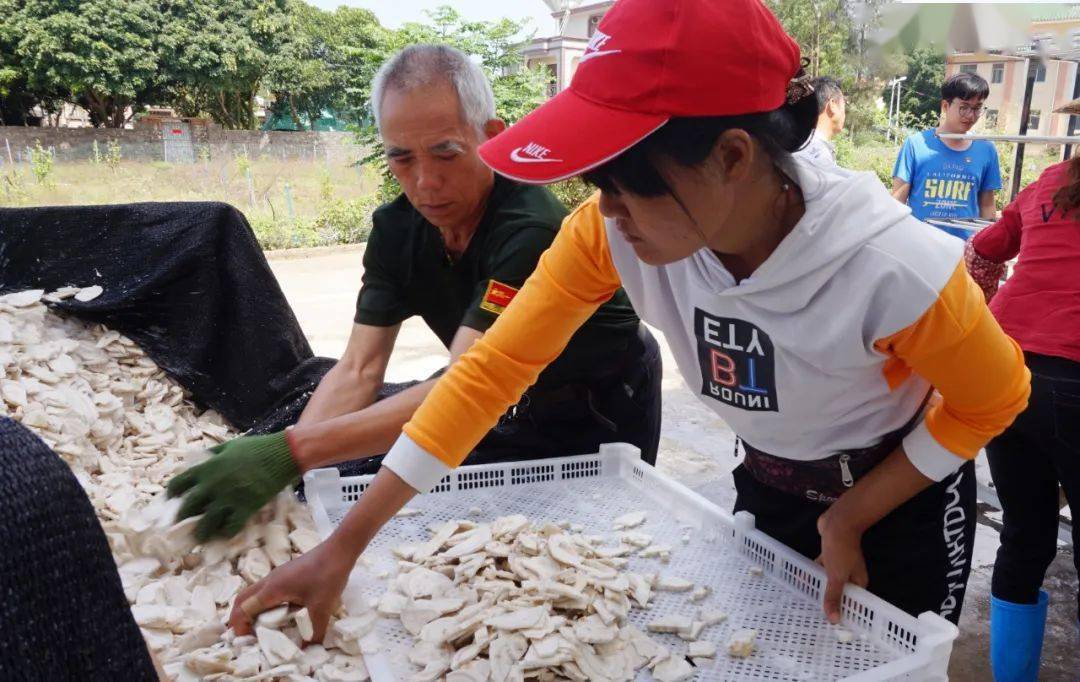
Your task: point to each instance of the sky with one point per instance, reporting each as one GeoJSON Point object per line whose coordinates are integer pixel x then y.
{"type": "Point", "coordinates": [393, 13]}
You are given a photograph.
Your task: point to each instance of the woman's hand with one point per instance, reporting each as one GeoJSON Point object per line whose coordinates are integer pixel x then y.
{"type": "Point", "coordinates": [888, 485]}
{"type": "Point", "coordinates": [314, 580]}
{"type": "Point", "coordinates": [842, 557]}
{"type": "Point", "coordinates": [317, 579]}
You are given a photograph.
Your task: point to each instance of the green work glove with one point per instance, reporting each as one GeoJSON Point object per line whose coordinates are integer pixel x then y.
{"type": "Point", "coordinates": [243, 475]}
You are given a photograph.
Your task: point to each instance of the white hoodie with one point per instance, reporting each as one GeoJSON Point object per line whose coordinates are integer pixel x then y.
{"type": "Point", "coordinates": [786, 357]}
{"type": "Point", "coordinates": [832, 343]}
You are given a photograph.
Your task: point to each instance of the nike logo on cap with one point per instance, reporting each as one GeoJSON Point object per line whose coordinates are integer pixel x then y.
{"type": "Point", "coordinates": [593, 55]}
{"type": "Point", "coordinates": [595, 48]}
{"type": "Point", "coordinates": [532, 153]}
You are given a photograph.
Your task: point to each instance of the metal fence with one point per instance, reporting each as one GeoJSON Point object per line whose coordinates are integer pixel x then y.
{"type": "Point", "coordinates": [18, 152]}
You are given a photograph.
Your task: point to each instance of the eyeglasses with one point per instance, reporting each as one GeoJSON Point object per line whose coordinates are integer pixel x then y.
{"type": "Point", "coordinates": [966, 110]}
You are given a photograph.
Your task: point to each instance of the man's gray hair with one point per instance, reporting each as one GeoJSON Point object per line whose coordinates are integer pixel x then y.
{"type": "Point", "coordinates": [420, 65]}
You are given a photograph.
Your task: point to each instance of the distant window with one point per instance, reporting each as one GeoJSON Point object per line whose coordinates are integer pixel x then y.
{"type": "Point", "coordinates": [1044, 41]}
{"type": "Point", "coordinates": [1040, 73]}
{"type": "Point", "coordinates": [594, 21]}
{"type": "Point", "coordinates": [1034, 119]}
{"type": "Point", "coordinates": [997, 73]}
{"type": "Point", "coordinates": [969, 68]}
{"type": "Point", "coordinates": [991, 118]}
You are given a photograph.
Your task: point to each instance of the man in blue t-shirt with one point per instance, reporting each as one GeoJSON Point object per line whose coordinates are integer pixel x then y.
{"type": "Point", "coordinates": [942, 178]}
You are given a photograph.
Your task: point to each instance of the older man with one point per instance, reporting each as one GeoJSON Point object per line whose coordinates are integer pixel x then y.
{"type": "Point", "coordinates": [454, 248]}
{"type": "Point", "coordinates": [832, 110]}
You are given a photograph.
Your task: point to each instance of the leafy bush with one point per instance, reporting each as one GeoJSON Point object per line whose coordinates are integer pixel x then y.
{"type": "Point", "coordinates": [868, 154]}
{"type": "Point", "coordinates": [338, 222]}
{"type": "Point", "coordinates": [326, 186]}
{"type": "Point", "coordinates": [13, 185]}
{"type": "Point", "coordinates": [41, 161]}
{"type": "Point", "coordinates": [243, 163]}
{"type": "Point", "coordinates": [345, 222]}
{"type": "Point", "coordinates": [112, 155]}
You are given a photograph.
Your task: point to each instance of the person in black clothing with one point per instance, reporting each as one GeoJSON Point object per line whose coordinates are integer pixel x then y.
{"type": "Point", "coordinates": [454, 248]}
{"type": "Point", "coordinates": [63, 615]}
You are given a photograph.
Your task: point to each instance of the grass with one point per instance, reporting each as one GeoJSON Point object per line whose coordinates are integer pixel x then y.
{"type": "Point", "coordinates": [331, 203]}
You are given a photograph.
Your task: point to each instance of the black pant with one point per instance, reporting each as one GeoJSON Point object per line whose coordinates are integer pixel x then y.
{"type": "Point", "coordinates": [621, 407]}
{"type": "Point", "coordinates": [1040, 451]}
{"type": "Point", "coordinates": [918, 557]}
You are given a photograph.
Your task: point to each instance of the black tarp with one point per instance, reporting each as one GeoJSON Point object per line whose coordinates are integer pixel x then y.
{"type": "Point", "coordinates": [189, 284]}
{"type": "Point", "coordinates": [63, 614]}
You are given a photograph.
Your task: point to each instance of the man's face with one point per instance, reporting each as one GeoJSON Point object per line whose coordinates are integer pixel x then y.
{"type": "Point", "coordinates": [837, 111]}
{"type": "Point", "coordinates": [961, 114]}
{"type": "Point", "coordinates": [431, 150]}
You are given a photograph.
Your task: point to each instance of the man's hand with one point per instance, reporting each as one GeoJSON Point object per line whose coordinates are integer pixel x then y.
{"type": "Point", "coordinates": [314, 580]}
{"type": "Point", "coordinates": [842, 557]}
{"type": "Point", "coordinates": [242, 476]}
{"type": "Point", "coordinates": [901, 190]}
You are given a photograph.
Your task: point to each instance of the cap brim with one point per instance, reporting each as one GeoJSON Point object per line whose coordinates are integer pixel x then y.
{"type": "Point", "coordinates": [566, 136]}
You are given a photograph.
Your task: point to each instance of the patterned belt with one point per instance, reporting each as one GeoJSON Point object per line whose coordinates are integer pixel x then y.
{"type": "Point", "coordinates": [824, 480]}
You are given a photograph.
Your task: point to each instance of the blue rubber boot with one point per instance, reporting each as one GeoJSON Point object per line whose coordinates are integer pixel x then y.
{"type": "Point", "coordinates": [1016, 638]}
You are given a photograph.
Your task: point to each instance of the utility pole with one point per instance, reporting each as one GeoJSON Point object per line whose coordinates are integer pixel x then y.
{"type": "Point", "coordinates": [1025, 112]}
{"type": "Point", "coordinates": [894, 106]}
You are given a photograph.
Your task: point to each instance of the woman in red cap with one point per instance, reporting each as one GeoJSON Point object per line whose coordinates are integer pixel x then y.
{"type": "Point", "coordinates": [814, 313]}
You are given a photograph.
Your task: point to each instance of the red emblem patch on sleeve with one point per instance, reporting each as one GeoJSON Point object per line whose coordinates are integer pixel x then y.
{"type": "Point", "coordinates": [497, 297]}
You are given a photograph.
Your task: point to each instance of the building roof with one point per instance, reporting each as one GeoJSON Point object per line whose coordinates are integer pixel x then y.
{"type": "Point", "coordinates": [540, 46]}
{"type": "Point", "coordinates": [1057, 14]}
{"type": "Point", "coordinates": [972, 58]}
{"type": "Point", "coordinates": [590, 8]}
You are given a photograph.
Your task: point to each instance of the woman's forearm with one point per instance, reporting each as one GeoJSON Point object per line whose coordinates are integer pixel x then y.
{"type": "Point", "coordinates": [385, 497]}
{"type": "Point", "coordinates": [888, 485]}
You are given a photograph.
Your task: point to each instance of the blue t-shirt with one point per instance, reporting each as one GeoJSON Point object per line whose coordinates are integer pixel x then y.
{"type": "Point", "coordinates": [945, 183]}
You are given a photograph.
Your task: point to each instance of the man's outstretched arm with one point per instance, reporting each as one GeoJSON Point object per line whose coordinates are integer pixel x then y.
{"type": "Point", "coordinates": [355, 380]}
{"type": "Point", "coordinates": [247, 472]}
{"type": "Point", "coordinates": [370, 431]}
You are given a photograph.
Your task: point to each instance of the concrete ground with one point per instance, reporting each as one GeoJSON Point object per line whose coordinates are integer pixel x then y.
{"type": "Point", "coordinates": [696, 448]}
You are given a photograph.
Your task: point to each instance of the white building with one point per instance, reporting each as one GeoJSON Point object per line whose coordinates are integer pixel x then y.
{"type": "Point", "coordinates": [1057, 76]}
{"type": "Point", "coordinates": [559, 55]}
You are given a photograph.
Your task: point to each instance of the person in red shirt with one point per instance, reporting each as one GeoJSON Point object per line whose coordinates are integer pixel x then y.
{"type": "Point", "coordinates": [1039, 306]}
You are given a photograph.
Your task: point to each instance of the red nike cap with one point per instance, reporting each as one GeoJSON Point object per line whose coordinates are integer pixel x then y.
{"type": "Point", "coordinates": [650, 61]}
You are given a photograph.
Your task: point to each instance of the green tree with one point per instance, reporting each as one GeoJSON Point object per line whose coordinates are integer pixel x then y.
{"type": "Point", "coordinates": [326, 62]}
{"type": "Point", "coordinates": [497, 44]}
{"type": "Point", "coordinates": [215, 55]}
{"type": "Point", "coordinates": [16, 100]}
{"type": "Point", "coordinates": [298, 74]}
{"type": "Point", "coordinates": [98, 53]}
{"type": "Point", "coordinates": [920, 94]}
{"type": "Point", "coordinates": [823, 29]}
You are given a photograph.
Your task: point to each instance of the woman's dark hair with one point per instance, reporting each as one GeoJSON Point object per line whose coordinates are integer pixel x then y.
{"type": "Point", "coordinates": [965, 86]}
{"type": "Point", "coordinates": [1067, 198]}
{"type": "Point", "coordinates": [689, 141]}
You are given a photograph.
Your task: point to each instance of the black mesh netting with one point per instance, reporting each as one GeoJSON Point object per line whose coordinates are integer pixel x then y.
{"type": "Point", "coordinates": [189, 284]}
{"type": "Point", "coordinates": [63, 613]}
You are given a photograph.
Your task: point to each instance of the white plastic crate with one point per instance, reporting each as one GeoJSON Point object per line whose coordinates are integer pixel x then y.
{"type": "Point", "coordinates": [784, 604]}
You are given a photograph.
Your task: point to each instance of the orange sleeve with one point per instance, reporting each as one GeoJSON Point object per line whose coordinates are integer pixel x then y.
{"type": "Point", "coordinates": [976, 368]}
{"type": "Point", "coordinates": [573, 278]}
